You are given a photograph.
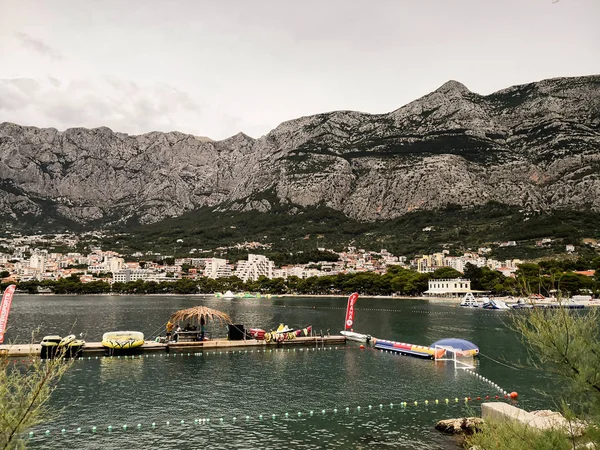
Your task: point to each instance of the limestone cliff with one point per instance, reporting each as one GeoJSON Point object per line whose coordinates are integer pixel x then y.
{"type": "Point", "coordinates": [535, 145]}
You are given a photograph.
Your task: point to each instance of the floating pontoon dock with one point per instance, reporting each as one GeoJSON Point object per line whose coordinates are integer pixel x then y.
{"type": "Point", "coordinates": [96, 348]}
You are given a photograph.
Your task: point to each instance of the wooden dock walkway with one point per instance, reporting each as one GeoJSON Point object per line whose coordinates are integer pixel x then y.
{"type": "Point", "coordinates": [96, 348]}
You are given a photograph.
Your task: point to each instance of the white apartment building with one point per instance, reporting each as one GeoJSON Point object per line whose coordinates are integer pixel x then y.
{"type": "Point", "coordinates": [256, 266]}
{"type": "Point", "coordinates": [216, 268]}
{"type": "Point", "coordinates": [290, 271]}
{"type": "Point", "coordinates": [109, 264]}
{"type": "Point", "coordinates": [127, 275]}
{"type": "Point", "coordinates": [38, 261]}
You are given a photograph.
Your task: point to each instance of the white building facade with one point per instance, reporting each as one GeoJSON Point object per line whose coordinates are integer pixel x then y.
{"type": "Point", "coordinates": [216, 268]}
{"type": "Point", "coordinates": [256, 266]}
{"type": "Point", "coordinates": [449, 287]}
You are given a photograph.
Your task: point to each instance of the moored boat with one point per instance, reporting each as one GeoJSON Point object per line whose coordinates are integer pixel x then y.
{"type": "Point", "coordinates": [285, 333]}
{"type": "Point", "coordinates": [53, 346]}
{"type": "Point", "coordinates": [522, 306]}
{"type": "Point", "coordinates": [74, 348]}
{"type": "Point", "coordinates": [49, 346]}
{"type": "Point", "coordinates": [257, 333]}
{"type": "Point", "coordinates": [357, 337]}
{"type": "Point", "coordinates": [122, 340]}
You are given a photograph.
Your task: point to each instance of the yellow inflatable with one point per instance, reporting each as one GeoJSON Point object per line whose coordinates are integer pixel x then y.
{"type": "Point", "coordinates": [122, 340]}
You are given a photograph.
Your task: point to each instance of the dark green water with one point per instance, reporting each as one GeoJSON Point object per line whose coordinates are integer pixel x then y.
{"type": "Point", "coordinates": [157, 389]}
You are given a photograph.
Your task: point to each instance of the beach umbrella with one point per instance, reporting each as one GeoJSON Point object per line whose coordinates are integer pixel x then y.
{"type": "Point", "coordinates": [196, 313]}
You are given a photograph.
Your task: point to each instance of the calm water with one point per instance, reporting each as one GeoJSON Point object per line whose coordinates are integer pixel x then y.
{"type": "Point", "coordinates": [157, 389]}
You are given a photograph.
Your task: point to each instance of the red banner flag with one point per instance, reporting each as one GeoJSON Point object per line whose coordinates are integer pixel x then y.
{"type": "Point", "coordinates": [5, 309]}
{"type": "Point", "coordinates": [350, 310]}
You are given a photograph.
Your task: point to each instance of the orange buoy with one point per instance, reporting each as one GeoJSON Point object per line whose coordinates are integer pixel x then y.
{"type": "Point", "coordinates": [362, 346]}
{"type": "Point", "coordinates": [513, 395]}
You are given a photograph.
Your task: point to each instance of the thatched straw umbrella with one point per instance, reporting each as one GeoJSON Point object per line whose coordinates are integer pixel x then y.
{"type": "Point", "coordinates": [197, 313]}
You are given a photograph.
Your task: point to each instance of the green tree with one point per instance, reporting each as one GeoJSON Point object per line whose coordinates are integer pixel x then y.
{"type": "Point", "coordinates": [4, 274]}
{"type": "Point", "coordinates": [24, 394]}
{"type": "Point", "coordinates": [446, 272]}
{"type": "Point", "coordinates": [564, 343]}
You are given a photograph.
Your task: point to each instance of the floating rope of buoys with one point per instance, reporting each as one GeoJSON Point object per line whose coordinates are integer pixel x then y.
{"type": "Point", "coordinates": [309, 347]}
{"type": "Point", "coordinates": [490, 382]}
{"type": "Point", "coordinates": [403, 405]}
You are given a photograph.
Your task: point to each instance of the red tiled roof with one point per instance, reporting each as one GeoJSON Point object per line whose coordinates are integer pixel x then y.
{"type": "Point", "coordinates": [587, 273]}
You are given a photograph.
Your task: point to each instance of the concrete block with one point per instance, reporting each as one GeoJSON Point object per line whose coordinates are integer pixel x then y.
{"type": "Point", "coordinates": [540, 420]}
{"type": "Point", "coordinates": [502, 412]}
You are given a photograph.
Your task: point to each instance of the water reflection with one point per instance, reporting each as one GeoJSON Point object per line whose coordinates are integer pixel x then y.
{"type": "Point", "coordinates": [161, 388]}
{"type": "Point", "coordinates": [114, 368]}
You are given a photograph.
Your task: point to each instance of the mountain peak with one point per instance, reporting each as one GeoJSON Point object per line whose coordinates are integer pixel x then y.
{"type": "Point", "coordinates": [453, 86]}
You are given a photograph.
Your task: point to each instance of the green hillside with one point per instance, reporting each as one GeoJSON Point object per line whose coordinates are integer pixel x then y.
{"type": "Point", "coordinates": [295, 229]}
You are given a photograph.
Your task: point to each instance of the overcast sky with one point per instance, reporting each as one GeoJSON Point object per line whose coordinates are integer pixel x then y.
{"type": "Point", "coordinates": [214, 68]}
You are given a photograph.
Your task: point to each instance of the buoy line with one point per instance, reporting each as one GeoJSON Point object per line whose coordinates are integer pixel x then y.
{"type": "Point", "coordinates": [197, 354]}
{"type": "Point", "coordinates": [512, 395]}
{"type": "Point", "coordinates": [244, 419]}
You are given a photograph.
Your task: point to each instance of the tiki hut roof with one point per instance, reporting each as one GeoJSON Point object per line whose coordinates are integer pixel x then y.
{"type": "Point", "coordinates": [196, 313]}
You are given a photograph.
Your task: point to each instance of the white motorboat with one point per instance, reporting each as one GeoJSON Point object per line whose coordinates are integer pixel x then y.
{"type": "Point", "coordinates": [357, 337]}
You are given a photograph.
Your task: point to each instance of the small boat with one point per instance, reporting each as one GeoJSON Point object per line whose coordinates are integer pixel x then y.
{"type": "Point", "coordinates": [357, 337]}
{"type": "Point", "coordinates": [522, 306]}
{"type": "Point", "coordinates": [49, 346]}
{"type": "Point", "coordinates": [495, 304]}
{"type": "Point", "coordinates": [285, 333]}
{"type": "Point", "coordinates": [67, 340]}
{"type": "Point", "coordinates": [74, 348]}
{"type": "Point", "coordinates": [122, 340]}
{"type": "Point", "coordinates": [563, 305]}
{"type": "Point", "coordinates": [469, 301]}
{"type": "Point", "coordinates": [53, 346]}
{"type": "Point", "coordinates": [283, 329]}
{"type": "Point", "coordinates": [257, 333]}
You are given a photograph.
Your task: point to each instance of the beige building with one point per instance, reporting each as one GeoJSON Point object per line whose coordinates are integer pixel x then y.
{"type": "Point", "coordinates": [449, 287]}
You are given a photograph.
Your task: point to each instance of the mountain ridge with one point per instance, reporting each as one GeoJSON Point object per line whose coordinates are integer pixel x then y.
{"type": "Point", "coordinates": [535, 145]}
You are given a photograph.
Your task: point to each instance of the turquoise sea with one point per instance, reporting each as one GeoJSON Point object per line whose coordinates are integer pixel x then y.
{"type": "Point", "coordinates": [343, 397]}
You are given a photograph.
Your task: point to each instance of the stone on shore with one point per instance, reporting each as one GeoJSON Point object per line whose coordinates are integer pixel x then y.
{"type": "Point", "coordinates": [466, 425]}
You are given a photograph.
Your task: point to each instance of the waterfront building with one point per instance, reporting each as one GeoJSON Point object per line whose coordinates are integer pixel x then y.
{"type": "Point", "coordinates": [449, 287]}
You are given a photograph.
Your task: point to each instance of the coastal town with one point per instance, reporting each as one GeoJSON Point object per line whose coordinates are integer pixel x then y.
{"type": "Point", "coordinates": [23, 260]}
{"type": "Point", "coordinates": [70, 264]}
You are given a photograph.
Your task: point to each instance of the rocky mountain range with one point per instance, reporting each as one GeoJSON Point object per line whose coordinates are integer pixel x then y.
{"type": "Point", "coordinates": [535, 145]}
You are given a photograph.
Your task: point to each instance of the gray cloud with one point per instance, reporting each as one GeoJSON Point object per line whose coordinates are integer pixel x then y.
{"type": "Point", "coordinates": [37, 46]}
{"type": "Point", "coordinates": [122, 105]}
{"type": "Point", "coordinates": [216, 68]}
